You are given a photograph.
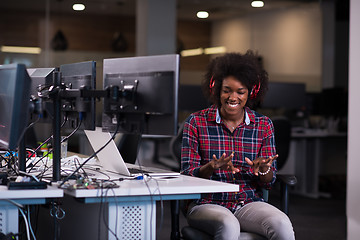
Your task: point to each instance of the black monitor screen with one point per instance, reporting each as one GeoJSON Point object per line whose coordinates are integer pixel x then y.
{"type": "Point", "coordinates": [191, 98]}
{"type": "Point", "coordinates": [285, 95]}
{"type": "Point", "coordinates": [14, 104]}
{"type": "Point", "coordinates": [144, 99]}
{"type": "Point", "coordinates": [78, 76]}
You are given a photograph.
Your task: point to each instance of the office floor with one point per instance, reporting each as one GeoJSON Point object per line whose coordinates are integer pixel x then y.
{"type": "Point", "coordinates": [313, 219]}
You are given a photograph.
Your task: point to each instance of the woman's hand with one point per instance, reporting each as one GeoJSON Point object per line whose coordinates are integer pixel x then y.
{"type": "Point", "coordinates": [224, 163]}
{"type": "Point", "coordinates": [261, 164]}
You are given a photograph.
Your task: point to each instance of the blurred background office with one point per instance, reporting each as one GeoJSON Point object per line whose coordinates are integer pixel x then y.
{"type": "Point", "coordinates": [303, 43]}
{"type": "Point", "coordinates": [300, 41]}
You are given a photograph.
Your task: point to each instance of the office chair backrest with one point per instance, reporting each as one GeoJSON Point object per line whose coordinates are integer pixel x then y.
{"type": "Point", "coordinates": [282, 127]}
{"type": "Point", "coordinates": [175, 144]}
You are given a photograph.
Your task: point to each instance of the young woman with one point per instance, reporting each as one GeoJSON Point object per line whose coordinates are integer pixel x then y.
{"type": "Point", "coordinates": [231, 143]}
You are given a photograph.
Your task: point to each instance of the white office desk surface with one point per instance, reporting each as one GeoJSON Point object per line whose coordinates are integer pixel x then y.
{"type": "Point", "coordinates": [9, 212]}
{"type": "Point", "coordinates": [181, 185]}
{"type": "Point", "coordinates": [49, 192]}
{"type": "Point", "coordinates": [317, 133]}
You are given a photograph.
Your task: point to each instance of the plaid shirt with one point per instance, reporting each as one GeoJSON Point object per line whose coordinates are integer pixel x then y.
{"type": "Point", "coordinates": [206, 134]}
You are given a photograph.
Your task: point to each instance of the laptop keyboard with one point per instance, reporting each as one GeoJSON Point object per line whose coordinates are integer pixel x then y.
{"type": "Point", "coordinates": [137, 170]}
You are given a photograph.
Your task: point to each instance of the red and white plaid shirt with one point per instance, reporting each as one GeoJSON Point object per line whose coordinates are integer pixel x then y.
{"type": "Point", "coordinates": [205, 134]}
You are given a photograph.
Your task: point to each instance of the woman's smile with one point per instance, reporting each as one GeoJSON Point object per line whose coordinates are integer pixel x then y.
{"type": "Point", "coordinates": [233, 98]}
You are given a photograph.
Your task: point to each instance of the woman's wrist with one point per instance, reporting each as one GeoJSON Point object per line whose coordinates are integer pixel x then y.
{"type": "Point", "coordinates": [207, 170]}
{"type": "Point", "coordinates": [266, 175]}
{"type": "Point", "coordinates": [263, 173]}
{"type": "Point", "coordinates": [212, 163]}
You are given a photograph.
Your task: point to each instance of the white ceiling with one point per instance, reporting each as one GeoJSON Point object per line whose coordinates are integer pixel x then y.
{"type": "Point", "coordinates": [218, 9]}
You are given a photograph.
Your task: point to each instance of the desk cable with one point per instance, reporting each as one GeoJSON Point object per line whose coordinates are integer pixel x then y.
{"type": "Point", "coordinates": [42, 144]}
{"type": "Point", "coordinates": [26, 220]}
{"type": "Point", "coordinates": [24, 131]}
{"type": "Point", "coordinates": [104, 219]}
{"type": "Point", "coordinates": [146, 179]}
{"type": "Point", "coordinates": [88, 159]}
{"type": "Point", "coordinates": [50, 151]}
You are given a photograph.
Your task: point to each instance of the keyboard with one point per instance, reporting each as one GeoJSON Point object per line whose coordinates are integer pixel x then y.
{"type": "Point", "coordinates": [137, 171]}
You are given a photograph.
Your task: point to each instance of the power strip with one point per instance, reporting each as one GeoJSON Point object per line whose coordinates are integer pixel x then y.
{"type": "Point", "coordinates": [26, 185]}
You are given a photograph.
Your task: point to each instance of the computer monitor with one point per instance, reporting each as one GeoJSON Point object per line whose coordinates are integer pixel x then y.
{"type": "Point", "coordinates": [191, 98]}
{"type": "Point", "coordinates": [285, 95]}
{"type": "Point", "coordinates": [41, 80]}
{"type": "Point", "coordinates": [74, 77]}
{"type": "Point", "coordinates": [14, 104]}
{"type": "Point", "coordinates": [143, 95]}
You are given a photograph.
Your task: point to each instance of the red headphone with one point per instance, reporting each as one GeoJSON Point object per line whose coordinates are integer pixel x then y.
{"type": "Point", "coordinates": [212, 83]}
{"type": "Point", "coordinates": [254, 91]}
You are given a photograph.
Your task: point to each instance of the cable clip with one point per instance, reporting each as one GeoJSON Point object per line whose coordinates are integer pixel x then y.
{"type": "Point", "coordinates": [57, 212]}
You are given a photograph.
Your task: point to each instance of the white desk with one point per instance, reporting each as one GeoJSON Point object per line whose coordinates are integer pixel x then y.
{"type": "Point", "coordinates": [306, 159]}
{"type": "Point", "coordinates": [9, 212]}
{"type": "Point", "coordinates": [133, 205]}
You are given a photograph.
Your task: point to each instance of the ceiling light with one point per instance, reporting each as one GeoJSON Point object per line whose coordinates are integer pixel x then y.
{"type": "Point", "coordinates": [257, 4]}
{"type": "Point", "coordinates": [15, 49]}
{"type": "Point", "coordinates": [78, 7]}
{"type": "Point", "coordinates": [192, 52]}
{"type": "Point", "coordinates": [202, 14]}
{"type": "Point", "coordinates": [200, 51]}
{"type": "Point", "coordinates": [215, 50]}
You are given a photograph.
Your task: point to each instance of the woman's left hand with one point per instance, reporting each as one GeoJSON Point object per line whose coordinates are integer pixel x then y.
{"type": "Point", "coordinates": [261, 164]}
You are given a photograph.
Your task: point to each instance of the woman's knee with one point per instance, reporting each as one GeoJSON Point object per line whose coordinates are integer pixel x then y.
{"type": "Point", "coordinates": [215, 220]}
{"type": "Point", "coordinates": [228, 223]}
{"type": "Point", "coordinates": [227, 228]}
{"type": "Point", "coordinates": [280, 228]}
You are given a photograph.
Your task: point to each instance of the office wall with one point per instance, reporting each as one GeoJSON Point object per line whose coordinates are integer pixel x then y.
{"type": "Point", "coordinates": [353, 178]}
{"type": "Point", "coordinates": [88, 35]}
{"type": "Point", "coordinates": [290, 41]}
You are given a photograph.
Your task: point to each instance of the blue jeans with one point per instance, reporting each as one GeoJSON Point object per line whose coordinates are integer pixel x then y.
{"type": "Point", "coordinates": [256, 217]}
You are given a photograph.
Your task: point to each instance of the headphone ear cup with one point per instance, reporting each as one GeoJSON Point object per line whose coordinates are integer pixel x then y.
{"type": "Point", "coordinates": [254, 91]}
{"type": "Point", "coordinates": [251, 95]}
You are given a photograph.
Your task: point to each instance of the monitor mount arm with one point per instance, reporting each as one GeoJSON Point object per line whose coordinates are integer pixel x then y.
{"type": "Point", "coordinates": [126, 93]}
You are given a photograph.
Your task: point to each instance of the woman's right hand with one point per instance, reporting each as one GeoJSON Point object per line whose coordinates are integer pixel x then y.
{"type": "Point", "coordinates": [224, 163]}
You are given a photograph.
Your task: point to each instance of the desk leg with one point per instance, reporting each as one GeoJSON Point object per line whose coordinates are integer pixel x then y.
{"type": "Point", "coordinates": [300, 155]}
{"type": "Point", "coordinates": [175, 210]}
{"type": "Point", "coordinates": [313, 169]}
{"type": "Point", "coordinates": [132, 220]}
{"type": "Point", "coordinates": [308, 158]}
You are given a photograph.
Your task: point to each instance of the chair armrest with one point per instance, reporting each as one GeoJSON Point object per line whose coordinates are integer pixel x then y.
{"type": "Point", "coordinates": [289, 180]}
{"type": "Point", "coordinates": [285, 181]}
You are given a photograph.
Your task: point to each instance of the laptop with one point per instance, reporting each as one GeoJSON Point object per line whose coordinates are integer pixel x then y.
{"type": "Point", "coordinates": [111, 159]}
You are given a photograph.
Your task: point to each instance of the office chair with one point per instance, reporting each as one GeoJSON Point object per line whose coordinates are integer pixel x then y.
{"type": "Point", "coordinates": [282, 132]}
{"type": "Point", "coordinates": [282, 128]}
